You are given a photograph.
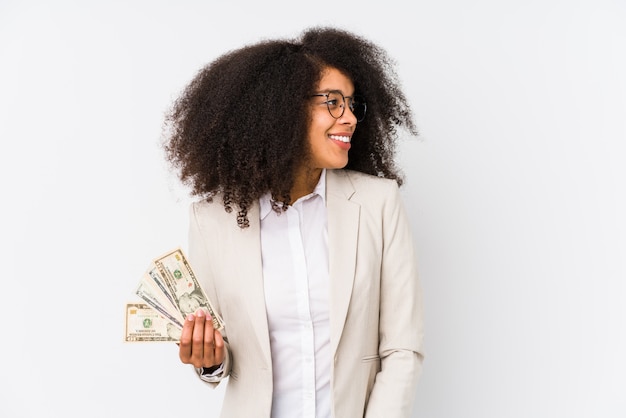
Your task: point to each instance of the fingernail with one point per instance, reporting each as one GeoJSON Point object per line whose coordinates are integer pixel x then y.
{"type": "Point", "coordinates": [190, 317]}
{"type": "Point", "coordinates": [199, 312]}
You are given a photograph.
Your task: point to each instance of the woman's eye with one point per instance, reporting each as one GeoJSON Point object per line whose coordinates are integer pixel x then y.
{"type": "Point", "coordinates": [332, 102]}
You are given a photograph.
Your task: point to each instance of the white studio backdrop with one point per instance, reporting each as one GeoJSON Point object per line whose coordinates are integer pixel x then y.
{"type": "Point", "coordinates": [515, 185]}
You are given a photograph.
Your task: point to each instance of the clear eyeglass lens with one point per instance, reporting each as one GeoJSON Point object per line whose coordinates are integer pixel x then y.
{"type": "Point", "coordinates": [336, 104]}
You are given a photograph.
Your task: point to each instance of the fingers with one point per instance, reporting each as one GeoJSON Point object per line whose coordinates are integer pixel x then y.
{"type": "Point", "coordinates": [198, 340]}
{"type": "Point", "coordinates": [219, 347]}
{"type": "Point", "coordinates": [200, 345]}
{"type": "Point", "coordinates": [184, 350]}
{"type": "Point", "coordinates": [208, 347]}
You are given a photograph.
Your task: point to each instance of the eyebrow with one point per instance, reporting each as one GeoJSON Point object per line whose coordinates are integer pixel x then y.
{"type": "Point", "coordinates": [336, 90]}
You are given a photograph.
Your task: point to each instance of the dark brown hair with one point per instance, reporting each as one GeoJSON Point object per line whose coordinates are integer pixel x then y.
{"type": "Point", "coordinates": [240, 126]}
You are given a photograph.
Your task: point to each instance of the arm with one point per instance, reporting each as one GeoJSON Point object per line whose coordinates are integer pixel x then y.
{"type": "Point", "coordinates": [201, 346]}
{"type": "Point", "coordinates": [401, 321]}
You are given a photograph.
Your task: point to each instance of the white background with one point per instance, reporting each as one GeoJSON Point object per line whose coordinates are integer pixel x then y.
{"type": "Point", "coordinates": [515, 185]}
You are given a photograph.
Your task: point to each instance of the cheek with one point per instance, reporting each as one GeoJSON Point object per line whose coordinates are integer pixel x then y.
{"type": "Point", "coordinates": [320, 121]}
{"type": "Point", "coordinates": [317, 131]}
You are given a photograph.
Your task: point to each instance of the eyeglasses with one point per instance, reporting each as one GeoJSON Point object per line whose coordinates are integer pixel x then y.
{"type": "Point", "coordinates": [336, 103]}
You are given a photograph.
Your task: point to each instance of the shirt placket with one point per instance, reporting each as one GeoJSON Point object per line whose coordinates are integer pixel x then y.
{"type": "Point", "coordinates": [304, 312]}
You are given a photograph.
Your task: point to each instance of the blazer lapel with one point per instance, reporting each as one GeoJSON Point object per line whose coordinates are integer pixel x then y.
{"type": "Point", "coordinates": [343, 228]}
{"type": "Point", "coordinates": [250, 273]}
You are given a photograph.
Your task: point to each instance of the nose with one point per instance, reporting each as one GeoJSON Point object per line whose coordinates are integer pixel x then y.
{"type": "Point", "coordinates": [347, 116]}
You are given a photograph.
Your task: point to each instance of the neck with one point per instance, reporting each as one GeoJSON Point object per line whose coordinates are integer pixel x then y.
{"type": "Point", "coordinates": [305, 182]}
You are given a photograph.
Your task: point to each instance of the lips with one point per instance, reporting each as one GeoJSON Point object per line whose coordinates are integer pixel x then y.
{"type": "Point", "coordinates": [342, 141]}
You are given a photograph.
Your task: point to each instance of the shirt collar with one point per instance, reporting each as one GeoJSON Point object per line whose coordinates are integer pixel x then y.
{"type": "Point", "coordinates": [265, 201]}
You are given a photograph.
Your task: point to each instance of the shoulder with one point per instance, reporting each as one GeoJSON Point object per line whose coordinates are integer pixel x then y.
{"type": "Point", "coordinates": [374, 195]}
{"type": "Point", "coordinates": [208, 205]}
{"type": "Point", "coordinates": [361, 183]}
{"type": "Point", "coordinates": [212, 214]}
{"type": "Point", "coordinates": [211, 210]}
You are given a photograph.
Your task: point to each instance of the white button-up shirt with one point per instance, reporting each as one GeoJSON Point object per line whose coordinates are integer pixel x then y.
{"type": "Point", "coordinates": [294, 247]}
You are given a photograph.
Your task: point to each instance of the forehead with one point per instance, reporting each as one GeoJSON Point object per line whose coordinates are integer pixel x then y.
{"type": "Point", "coordinates": [333, 79]}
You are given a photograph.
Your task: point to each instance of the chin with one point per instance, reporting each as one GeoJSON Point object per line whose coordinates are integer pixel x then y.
{"type": "Point", "coordinates": [338, 165]}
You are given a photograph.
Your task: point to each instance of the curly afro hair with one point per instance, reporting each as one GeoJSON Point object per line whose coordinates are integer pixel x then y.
{"type": "Point", "coordinates": [239, 128]}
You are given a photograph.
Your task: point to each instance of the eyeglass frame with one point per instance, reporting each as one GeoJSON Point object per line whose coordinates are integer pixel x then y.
{"type": "Point", "coordinates": [343, 105]}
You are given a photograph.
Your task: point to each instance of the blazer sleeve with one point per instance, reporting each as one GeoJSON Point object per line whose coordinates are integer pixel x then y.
{"type": "Point", "coordinates": [401, 317]}
{"type": "Point", "coordinates": [200, 252]}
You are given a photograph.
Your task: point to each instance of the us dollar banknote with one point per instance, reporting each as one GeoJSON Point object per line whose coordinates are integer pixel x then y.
{"type": "Point", "coordinates": [151, 297]}
{"type": "Point", "coordinates": [184, 287]}
{"type": "Point", "coordinates": [144, 324]}
{"type": "Point", "coordinates": [169, 291]}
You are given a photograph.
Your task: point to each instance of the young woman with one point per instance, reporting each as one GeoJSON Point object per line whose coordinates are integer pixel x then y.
{"type": "Point", "coordinates": [299, 236]}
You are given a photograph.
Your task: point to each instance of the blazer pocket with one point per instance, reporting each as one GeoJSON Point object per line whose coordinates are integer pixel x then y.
{"type": "Point", "coordinates": [373, 357]}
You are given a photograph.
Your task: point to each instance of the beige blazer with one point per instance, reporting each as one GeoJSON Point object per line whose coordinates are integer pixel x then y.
{"type": "Point", "coordinates": [376, 322]}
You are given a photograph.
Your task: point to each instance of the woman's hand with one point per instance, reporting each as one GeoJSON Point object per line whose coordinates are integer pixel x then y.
{"type": "Point", "coordinates": [200, 344]}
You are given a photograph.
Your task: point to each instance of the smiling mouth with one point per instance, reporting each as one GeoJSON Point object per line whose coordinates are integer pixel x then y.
{"type": "Point", "coordinates": [340, 138]}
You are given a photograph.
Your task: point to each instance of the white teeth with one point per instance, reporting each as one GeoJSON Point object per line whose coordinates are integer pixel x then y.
{"type": "Point", "coordinates": [340, 138]}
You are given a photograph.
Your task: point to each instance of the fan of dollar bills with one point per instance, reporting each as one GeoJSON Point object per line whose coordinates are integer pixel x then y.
{"type": "Point", "coordinates": [169, 291]}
